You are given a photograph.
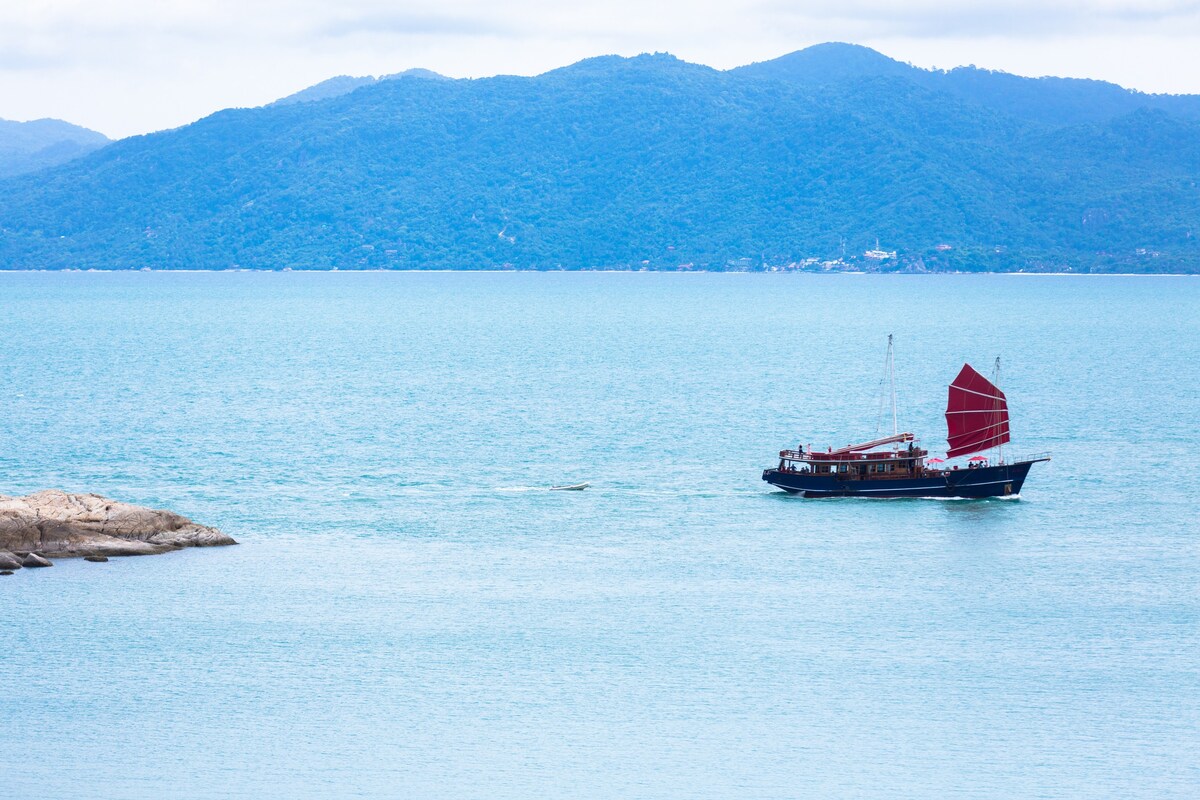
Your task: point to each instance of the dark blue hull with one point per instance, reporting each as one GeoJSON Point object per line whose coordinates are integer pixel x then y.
{"type": "Point", "coordinates": [999, 481]}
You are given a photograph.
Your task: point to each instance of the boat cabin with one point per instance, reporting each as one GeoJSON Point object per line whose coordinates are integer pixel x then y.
{"type": "Point", "coordinates": [860, 461]}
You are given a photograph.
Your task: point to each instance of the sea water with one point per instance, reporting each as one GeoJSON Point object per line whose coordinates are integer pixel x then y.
{"type": "Point", "coordinates": [411, 614]}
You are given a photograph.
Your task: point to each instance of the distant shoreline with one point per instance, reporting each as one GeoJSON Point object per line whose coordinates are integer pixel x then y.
{"type": "Point", "coordinates": [857, 273]}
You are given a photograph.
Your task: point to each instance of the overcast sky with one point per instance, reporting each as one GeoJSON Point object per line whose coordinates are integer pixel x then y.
{"type": "Point", "coordinates": [133, 66]}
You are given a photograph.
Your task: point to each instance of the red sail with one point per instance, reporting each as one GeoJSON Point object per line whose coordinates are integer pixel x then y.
{"type": "Point", "coordinates": [976, 414]}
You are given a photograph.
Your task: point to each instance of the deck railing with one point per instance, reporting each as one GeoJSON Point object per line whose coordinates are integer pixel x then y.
{"type": "Point", "coordinates": [850, 458]}
{"type": "Point", "coordinates": [899, 456]}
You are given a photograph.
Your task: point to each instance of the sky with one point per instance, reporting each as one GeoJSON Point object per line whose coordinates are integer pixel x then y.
{"type": "Point", "coordinates": [126, 67]}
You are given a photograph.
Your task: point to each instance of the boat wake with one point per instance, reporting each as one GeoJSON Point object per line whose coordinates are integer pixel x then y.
{"type": "Point", "coordinates": [943, 499]}
{"type": "Point", "coordinates": [866, 499]}
{"type": "Point", "coordinates": [998, 499]}
{"type": "Point", "coordinates": [572, 487]}
{"type": "Point", "coordinates": [685, 492]}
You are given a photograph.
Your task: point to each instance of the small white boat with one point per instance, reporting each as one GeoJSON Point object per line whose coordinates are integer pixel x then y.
{"type": "Point", "coordinates": [575, 487]}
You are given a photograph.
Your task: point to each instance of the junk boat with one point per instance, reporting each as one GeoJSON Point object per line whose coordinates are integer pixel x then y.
{"type": "Point", "coordinates": [976, 421]}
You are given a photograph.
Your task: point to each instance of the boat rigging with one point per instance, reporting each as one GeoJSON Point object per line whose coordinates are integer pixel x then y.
{"type": "Point", "coordinates": [977, 420]}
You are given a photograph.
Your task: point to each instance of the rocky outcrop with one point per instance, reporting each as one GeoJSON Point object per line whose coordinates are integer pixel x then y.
{"type": "Point", "coordinates": [58, 524]}
{"type": "Point", "coordinates": [9, 560]}
{"type": "Point", "coordinates": [34, 560]}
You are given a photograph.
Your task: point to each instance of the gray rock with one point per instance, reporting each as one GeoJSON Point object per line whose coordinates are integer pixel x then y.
{"type": "Point", "coordinates": [96, 559]}
{"type": "Point", "coordinates": [6, 572]}
{"type": "Point", "coordinates": [9, 560]}
{"type": "Point", "coordinates": [60, 525]}
{"type": "Point", "coordinates": [35, 560]}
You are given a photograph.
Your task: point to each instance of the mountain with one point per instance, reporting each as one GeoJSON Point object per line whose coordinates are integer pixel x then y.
{"type": "Point", "coordinates": [333, 87]}
{"type": "Point", "coordinates": [1054, 101]}
{"type": "Point", "coordinates": [344, 84]}
{"type": "Point", "coordinates": [829, 63]}
{"type": "Point", "coordinates": [30, 146]}
{"type": "Point", "coordinates": [639, 162]}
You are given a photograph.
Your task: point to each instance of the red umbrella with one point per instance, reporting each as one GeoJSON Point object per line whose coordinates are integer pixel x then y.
{"type": "Point", "coordinates": [935, 460]}
{"type": "Point", "coordinates": [977, 458]}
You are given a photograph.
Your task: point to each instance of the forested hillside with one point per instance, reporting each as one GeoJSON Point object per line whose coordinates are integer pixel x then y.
{"type": "Point", "coordinates": [644, 162]}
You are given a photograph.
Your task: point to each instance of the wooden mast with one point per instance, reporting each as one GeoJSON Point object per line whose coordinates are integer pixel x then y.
{"type": "Point", "coordinates": [891, 367]}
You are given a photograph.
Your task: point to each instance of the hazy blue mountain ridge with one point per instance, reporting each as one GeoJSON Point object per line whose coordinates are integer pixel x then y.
{"type": "Point", "coordinates": [30, 146]}
{"type": "Point", "coordinates": [344, 84]}
{"type": "Point", "coordinates": [628, 163]}
{"type": "Point", "coordinates": [332, 87]}
{"type": "Point", "coordinates": [1055, 101]}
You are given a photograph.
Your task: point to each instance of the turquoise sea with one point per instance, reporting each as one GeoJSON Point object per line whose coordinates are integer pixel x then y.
{"type": "Point", "coordinates": [411, 614]}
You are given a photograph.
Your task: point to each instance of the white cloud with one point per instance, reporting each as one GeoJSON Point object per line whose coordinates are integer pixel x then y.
{"type": "Point", "coordinates": [1020, 19]}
